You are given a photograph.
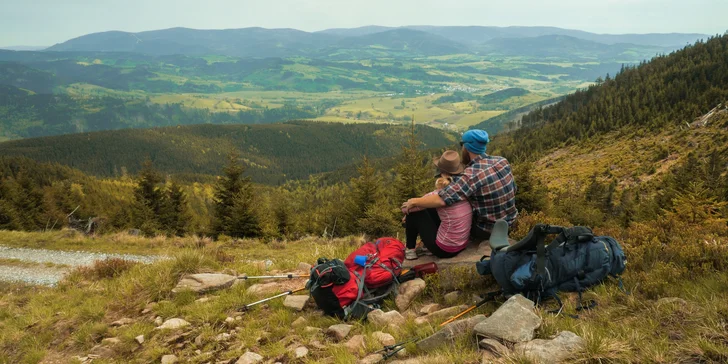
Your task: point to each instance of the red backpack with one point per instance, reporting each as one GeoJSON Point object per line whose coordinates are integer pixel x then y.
{"type": "Point", "coordinates": [351, 289]}
{"type": "Point", "coordinates": [379, 262]}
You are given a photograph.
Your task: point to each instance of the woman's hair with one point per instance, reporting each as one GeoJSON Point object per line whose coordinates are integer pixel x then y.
{"type": "Point", "coordinates": [442, 182]}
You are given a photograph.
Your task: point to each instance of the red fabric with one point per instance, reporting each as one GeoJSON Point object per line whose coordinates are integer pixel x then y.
{"type": "Point", "coordinates": [390, 252]}
{"type": "Point", "coordinates": [347, 292]}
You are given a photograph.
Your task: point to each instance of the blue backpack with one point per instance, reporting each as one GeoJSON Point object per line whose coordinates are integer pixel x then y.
{"type": "Point", "coordinates": [574, 261]}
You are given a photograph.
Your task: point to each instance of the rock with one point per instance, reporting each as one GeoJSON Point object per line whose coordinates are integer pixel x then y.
{"type": "Point", "coordinates": [371, 359]}
{"type": "Point", "coordinates": [355, 345]}
{"type": "Point", "coordinates": [384, 338]}
{"type": "Point", "coordinates": [149, 307]}
{"type": "Point", "coordinates": [449, 333]}
{"type": "Point", "coordinates": [299, 322]}
{"type": "Point", "coordinates": [494, 347]}
{"type": "Point", "coordinates": [139, 339]}
{"type": "Point", "coordinates": [514, 321]}
{"type": "Point", "coordinates": [452, 297]}
{"type": "Point", "coordinates": [408, 291]}
{"type": "Point", "coordinates": [229, 320]}
{"type": "Point", "coordinates": [429, 308]}
{"type": "Point", "coordinates": [300, 352]}
{"type": "Point", "coordinates": [556, 350]}
{"type": "Point", "coordinates": [671, 301]}
{"type": "Point", "coordinates": [304, 267]}
{"type": "Point", "coordinates": [204, 282]}
{"type": "Point", "coordinates": [173, 323]}
{"type": "Point", "coordinates": [158, 320]}
{"type": "Point", "coordinates": [203, 300]}
{"type": "Point", "coordinates": [339, 332]}
{"type": "Point", "coordinates": [110, 341]}
{"type": "Point", "coordinates": [169, 359]}
{"type": "Point", "coordinates": [381, 318]}
{"type": "Point", "coordinates": [311, 330]}
{"type": "Point", "coordinates": [297, 302]}
{"type": "Point", "coordinates": [122, 322]}
{"type": "Point", "coordinates": [222, 337]}
{"type": "Point", "coordinates": [249, 358]}
{"type": "Point", "coordinates": [440, 315]}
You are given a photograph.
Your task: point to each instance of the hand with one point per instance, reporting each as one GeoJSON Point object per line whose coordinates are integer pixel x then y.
{"type": "Point", "coordinates": [408, 205]}
{"type": "Point", "coordinates": [404, 219]}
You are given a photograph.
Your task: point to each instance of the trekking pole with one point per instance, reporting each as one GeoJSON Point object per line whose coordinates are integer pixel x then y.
{"type": "Point", "coordinates": [487, 299]}
{"type": "Point", "coordinates": [289, 276]}
{"type": "Point", "coordinates": [389, 351]}
{"type": "Point", "coordinates": [246, 307]}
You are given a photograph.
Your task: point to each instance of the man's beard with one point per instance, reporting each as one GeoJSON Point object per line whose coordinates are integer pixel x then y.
{"type": "Point", "coordinates": [465, 156]}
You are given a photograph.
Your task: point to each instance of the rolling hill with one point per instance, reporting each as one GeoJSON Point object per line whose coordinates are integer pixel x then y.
{"type": "Point", "coordinates": [273, 153]}
{"type": "Point", "coordinates": [259, 42]}
{"type": "Point", "coordinates": [559, 45]}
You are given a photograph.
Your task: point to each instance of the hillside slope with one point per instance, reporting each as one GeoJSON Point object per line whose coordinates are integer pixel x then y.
{"type": "Point", "coordinates": [273, 153]}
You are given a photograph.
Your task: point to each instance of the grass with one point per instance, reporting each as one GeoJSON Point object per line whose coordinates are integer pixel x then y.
{"type": "Point", "coordinates": [69, 320]}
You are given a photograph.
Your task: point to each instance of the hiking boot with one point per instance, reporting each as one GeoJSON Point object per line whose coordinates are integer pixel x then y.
{"type": "Point", "coordinates": [410, 254]}
{"type": "Point", "coordinates": [423, 251]}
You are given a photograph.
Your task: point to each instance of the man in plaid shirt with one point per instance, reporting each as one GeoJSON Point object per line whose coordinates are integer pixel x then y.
{"type": "Point", "coordinates": [487, 183]}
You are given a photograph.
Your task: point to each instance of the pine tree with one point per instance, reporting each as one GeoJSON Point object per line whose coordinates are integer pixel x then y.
{"type": "Point", "coordinates": [234, 215]}
{"type": "Point", "coordinates": [414, 174]}
{"type": "Point", "coordinates": [367, 208]}
{"type": "Point", "coordinates": [696, 204]}
{"type": "Point", "coordinates": [531, 195]}
{"type": "Point", "coordinates": [175, 213]}
{"type": "Point", "coordinates": [149, 199]}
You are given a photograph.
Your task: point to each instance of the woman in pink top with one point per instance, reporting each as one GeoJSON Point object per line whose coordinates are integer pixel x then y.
{"type": "Point", "coordinates": [444, 231]}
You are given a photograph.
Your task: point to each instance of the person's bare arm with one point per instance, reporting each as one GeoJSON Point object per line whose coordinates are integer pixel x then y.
{"type": "Point", "coordinates": [429, 201]}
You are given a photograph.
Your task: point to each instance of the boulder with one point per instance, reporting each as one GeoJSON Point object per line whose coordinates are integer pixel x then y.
{"type": "Point", "coordinates": [297, 302]}
{"type": "Point", "coordinates": [300, 352]}
{"type": "Point", "coordinates": [494, 347]}
{"type": "Point", "coordinates": [158, 320]}
{"type": "Point", "coordinates": [304, 267]}
{"type": "Point", "coordinates": [556, 350]}
{"type": "Point", "coordinates": [311, 330]}
{"type": "Point", "coordinates": [122, 322]}
{"type": "Point", "coordinates": [514, 321]}
{"type": "Point", "coordinates": [249, 358]}
{"type": "Point", "coordinates": [384, 338]}
{"type": "Point", "coordinates": [429, 308]}
{"type": "Point", "coordinates": [371, 359]}
{"type": "Point", "coordinates": [381, 318]}
{"type": "Point", "coordinates": [356, 345]}
{"type": "Point", "coordinates": [408, 291]}
{"type": "Point", "coordinates": [169, 359]}
{"type": "Point", "coordinates": [440, 315]}
{"type": "Point", "coordinates": [449, 333]}
{"type": "Point", "coordinates": [139, 339]}
{"type": "Point", "coordinates": [338, 332]}
{"type": "Point", "coordinates": [301, 321]}
{"type": "Point", "coordinates": [173, 323]}
{"type": "Point", "coordinates": [204, 282]}
{"type": "Point", "coordinates": [452, 297]}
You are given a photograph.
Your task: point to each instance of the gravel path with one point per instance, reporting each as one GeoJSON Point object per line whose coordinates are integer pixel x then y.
{"type": "Point", "coordinates": [36, 275]}
{"type": "Point", "coordinates": [51, 275]}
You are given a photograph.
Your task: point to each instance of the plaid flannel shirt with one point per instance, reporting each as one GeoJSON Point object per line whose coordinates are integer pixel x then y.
{"type": "Point", "coordinates": [488, 184]}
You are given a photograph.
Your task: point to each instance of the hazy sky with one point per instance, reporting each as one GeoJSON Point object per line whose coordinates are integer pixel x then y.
{"type": "Point", "coordinates": [46, 22]}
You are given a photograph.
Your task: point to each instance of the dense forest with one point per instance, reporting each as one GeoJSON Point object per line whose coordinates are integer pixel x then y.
{"type": "Point", "coordinates": [273, 153]}
{"type": "Point", "coordinates": [670, 90]}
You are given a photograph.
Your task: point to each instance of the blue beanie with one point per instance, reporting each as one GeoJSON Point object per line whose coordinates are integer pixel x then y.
{"type": "Point", "coordinates": [475, 141]}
